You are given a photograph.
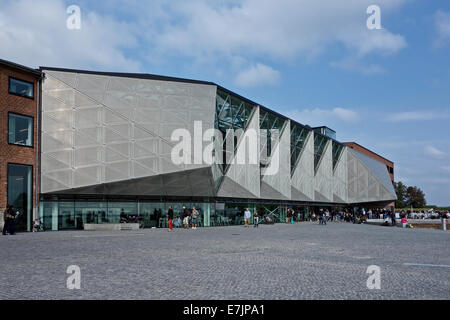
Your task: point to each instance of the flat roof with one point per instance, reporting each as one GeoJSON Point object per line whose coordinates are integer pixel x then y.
{"type": "Point", "coordinates": [35, 72]}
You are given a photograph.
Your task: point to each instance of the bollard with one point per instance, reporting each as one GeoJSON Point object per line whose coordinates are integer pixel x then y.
{"type": "Point", "coordinates": [444, 224]}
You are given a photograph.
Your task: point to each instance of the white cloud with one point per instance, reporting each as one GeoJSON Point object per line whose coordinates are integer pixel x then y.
{"type": "Point", "coordinates": [442, 24]}
{"type": "Point", "coordinates": [257, 75]}
{"type": "Point", "coordinates": [318, 117]}
{"type": "Point", "coordinates": [355, 65]}
{"type": "Point", "coordinates": [434, 152]}
{"type": "Point", "coordinates": [284, 29]}
{"type": "Point", "coordinates": [417, 116]}
{"type": "Point", "coordinates": [37, 35]}
{"type": "Point", "coordinates": [211, 32]}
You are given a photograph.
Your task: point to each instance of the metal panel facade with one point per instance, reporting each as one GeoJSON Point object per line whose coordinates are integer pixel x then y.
{"type": "Point", "coordinates": [109, 134]}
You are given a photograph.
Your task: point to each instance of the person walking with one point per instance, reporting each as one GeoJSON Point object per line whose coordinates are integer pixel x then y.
{"type": "Point", "coordinates": [170, 218]}
{"type": "Point", "coordinates": [256, 219]}
{"type": "Point", "coordinates": [194, 218]}
{"type": "Point", "coordinates": [247, 216]}
{"type": "Point", "coordinates": [186, 215]}
{"type": "Point", "coordinates": [393, 219]}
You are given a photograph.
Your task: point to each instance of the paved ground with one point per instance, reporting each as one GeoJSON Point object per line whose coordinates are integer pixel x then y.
{"type": "Point", "coordinates": [302, 261]}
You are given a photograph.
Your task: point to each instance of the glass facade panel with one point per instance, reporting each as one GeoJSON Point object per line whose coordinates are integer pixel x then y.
{"type": "Point", "coordinates": [337, 151]}
{"type": "Point", "coordinates": [270, 124]}
{"type": "Point", "coordinates": [320, 143]}
{"type": "Point", "coordinates": [231, 113]}
{"type": "Point", "coordinates": [120, 212]}
{"type": "Point", "coordinates": [90, 212]}
{"type": "Point", "coordinates": [66, 216]}
{"type": "Point", "coordinates": [71, 215]}
{"type": "Point", "coordinates": [20, 188]}
{"type": "Point", "coordinates": [151, 213]}
{"type": "Point", "coordinates": [326, 132]}
{"type": "Point", "coordinates": [49, 215]}
{"type": "Point", "coordinates": [299, 134]}
{"type": "Point", "coordinates": [20, 129]}
{"type": "Point", "coordinates": [21, 88]}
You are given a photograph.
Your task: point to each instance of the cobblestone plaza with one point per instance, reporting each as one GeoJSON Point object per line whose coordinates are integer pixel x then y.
{"type": "Point", "coordinates": [281, 261]}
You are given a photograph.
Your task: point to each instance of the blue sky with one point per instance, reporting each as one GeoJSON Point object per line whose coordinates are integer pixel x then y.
{"type": "Point", "coordinates": [315, 61]}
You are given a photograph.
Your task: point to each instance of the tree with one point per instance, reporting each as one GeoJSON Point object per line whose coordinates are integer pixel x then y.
{"type": "Point", "coordinates": [409, 196]}
{"type": "Point", "coordinates": [400, 190]}
{"type": "Point", "coordinates": [415, 197]}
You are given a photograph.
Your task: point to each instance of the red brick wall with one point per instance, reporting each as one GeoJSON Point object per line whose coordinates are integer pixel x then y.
{"type": "Point", "coordinates": [13, 153]}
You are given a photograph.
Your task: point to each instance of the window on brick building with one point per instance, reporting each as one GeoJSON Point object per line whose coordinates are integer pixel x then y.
{"type": "Point", "coordinates": [20, 186]}
{"type": "Point", "coordinates": [20, 130]}
{"type": "Point", "coordinates": [21, 88]}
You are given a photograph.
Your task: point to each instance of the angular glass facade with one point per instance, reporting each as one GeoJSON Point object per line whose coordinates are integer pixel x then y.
{"type": "Point", "coordinates": [320, 143]}
{"type": "Point", "coordinates": [231, 113]}
{"type": "Point", "coordinates": [299, 134]}
{"type": "Point", "coordinates": [269, 124]}
{"type": "Point", "coordinates": [337, 151]}
{"type": "Point", "coordinates": [109, 158]}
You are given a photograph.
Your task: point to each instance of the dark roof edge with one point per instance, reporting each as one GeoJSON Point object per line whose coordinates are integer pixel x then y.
{"type": "Point", "coordinates": [368, 150]}
{"type": "Point", "coordinates": [146, 76]}
{"type": "Point", "coordinates": [20, 67]}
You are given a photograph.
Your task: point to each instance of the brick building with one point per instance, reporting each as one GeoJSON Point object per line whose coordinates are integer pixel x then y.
{"type": "Point", "coordinates": [19, 140]}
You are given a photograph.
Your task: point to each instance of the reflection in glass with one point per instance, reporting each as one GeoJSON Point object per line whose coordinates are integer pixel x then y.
{"type": "Point", "coordinates": [20, 129]}
{"type": "Point", "coordinates": [320, 143]}
{"type": "Point", "coordinates": [299, 134]}
{"type": "Point", "coordinates": [337, 151]}
{"type": "Point", "coordinates": [21, 88]}
{"type": "Point", "coordinates": [20, 186]}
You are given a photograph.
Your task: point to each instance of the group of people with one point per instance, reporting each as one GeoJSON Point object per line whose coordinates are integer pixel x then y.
{"type": "Point", "coordinates": [188, 218]}
{"type": "Point", "coordinates": [9, 217]}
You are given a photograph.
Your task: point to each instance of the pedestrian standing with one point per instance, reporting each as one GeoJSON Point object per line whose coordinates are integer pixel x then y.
{"type": "Point", "coordinates": [256, 219]}
{"type": "Point", "coordinates": [393, 218]}
{"type": "Point", "coordinates": [194, 218]}
{"type": "Point", "coordinates": [170, 218]}
{"type": "Point", "coordinates": [11, 221]}
{"type": "Point", "coordinates": [247, 216]}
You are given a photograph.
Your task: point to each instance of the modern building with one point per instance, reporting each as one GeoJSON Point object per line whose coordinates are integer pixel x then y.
{"type": "Point", "coordinates": [107, 153]}
{"type": "Point", "coordinates": [19, 127]}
